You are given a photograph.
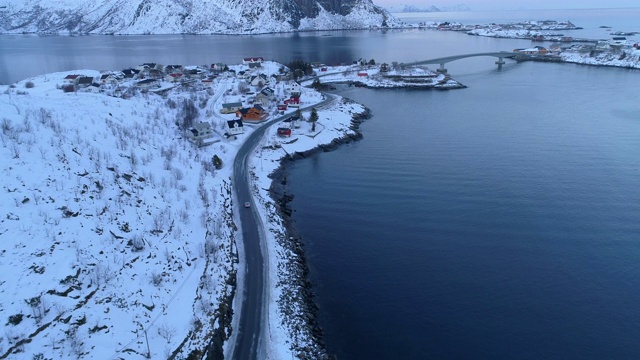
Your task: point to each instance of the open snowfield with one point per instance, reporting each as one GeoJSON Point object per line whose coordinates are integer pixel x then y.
{"type": "Point", "coordinates": [114, 229]}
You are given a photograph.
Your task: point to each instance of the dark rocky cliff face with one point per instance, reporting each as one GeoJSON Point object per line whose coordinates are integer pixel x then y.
{"type": "Point", "coordinates": [300, 9]}
{"type": "Point", "coordinates": [310, 7]}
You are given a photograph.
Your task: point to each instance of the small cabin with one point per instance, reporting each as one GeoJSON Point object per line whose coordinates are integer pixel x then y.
{"type": "Point", "coordinates": [147, 84]}
{"type": "Point", "coordinates": [84, 81]}
{"type": "Point", "coordinates": [229, 108]}
{"type": "Point", "coordinates": [282, 131]}
{"type": "Point", "coordinates": [292, 122]}
{"type": "Point", "coordinates": [293, 101]}
{"type": "Point", "coordinates": [71, 79]}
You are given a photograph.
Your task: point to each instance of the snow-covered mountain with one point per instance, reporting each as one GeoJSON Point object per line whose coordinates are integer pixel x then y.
{"type": "Point", "coordinates": [188, 16]}
{"type": "Point", "coordinates": [426, 8]}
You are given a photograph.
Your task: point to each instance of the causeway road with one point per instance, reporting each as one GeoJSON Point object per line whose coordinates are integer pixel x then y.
{"type": "Point", "coordinates": [252, 326]}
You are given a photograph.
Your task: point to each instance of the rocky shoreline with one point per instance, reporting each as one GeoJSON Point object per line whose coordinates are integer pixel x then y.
{"type": "Point", "coordinates": [409, 86]}
{"type": "Point", "coordinates": [292, 240]}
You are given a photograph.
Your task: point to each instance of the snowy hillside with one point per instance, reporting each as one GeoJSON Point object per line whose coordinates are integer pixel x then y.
{"type": "Point", "coordinates": [118, 236]}
{"type": "Point", "coordinates": [187, 16]}
{"type": "Point", "coordinates": [113, 228]}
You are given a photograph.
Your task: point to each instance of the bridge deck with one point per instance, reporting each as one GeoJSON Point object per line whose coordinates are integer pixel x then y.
{"type": "Point", "coordinates": [447, 59]}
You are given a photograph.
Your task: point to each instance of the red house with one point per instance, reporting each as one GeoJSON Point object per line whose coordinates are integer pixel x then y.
{"type": "Point", "coordinates": [292, 100]}
{"type": "Point", "coordinates": [284, 132]}
{"type": "Point", "coordinates": [71, 79]}
{"type": "Point", "coordinates": [364, 74]}
{"type": "Point", "coordinates": [282, 107]}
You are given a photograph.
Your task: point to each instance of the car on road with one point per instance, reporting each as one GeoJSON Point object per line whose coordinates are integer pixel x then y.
{"type": "Point", "coordinates": [247, 204]}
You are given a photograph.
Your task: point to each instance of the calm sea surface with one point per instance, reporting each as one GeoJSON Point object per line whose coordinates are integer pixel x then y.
{"type": "Point", "coordinates": [496, 222]}
{"type": "Point", "coordinates": [499, 221]}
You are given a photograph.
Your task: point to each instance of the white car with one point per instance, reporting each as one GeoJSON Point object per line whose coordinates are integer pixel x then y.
{"type": "Point", "coordinates": [247, 204]}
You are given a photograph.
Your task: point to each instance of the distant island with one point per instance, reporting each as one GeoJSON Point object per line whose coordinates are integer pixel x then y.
{"type": "Point", "coordinates": [553, 46]}
{"type": "Point", "coordinates": [423, 8]}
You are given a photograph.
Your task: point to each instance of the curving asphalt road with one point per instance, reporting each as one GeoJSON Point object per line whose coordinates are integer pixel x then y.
{"type": "Point", "coordinates": [252, 325]}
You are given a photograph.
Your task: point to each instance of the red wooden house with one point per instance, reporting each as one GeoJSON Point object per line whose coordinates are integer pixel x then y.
{"type": "Point", "coordinates": [294, 100]}
{"type": "Point", "coordinates": [284, 132]}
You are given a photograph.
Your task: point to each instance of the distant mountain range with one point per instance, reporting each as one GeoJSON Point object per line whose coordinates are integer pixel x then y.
{"type": "Point", "coordinates": [188, 16]}
{"type": "Point", "coordinates": [425, 8]}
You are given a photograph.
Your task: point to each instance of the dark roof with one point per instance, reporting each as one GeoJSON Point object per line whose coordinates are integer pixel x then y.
{"type": "Point", "coordinates": [85, 80]}
{"type": "Point", "coordinates": [232, 123]}
{"type": "Point", "coordinates": [147, 81]}
{"type": "Point", "coordinates": [130, 72]}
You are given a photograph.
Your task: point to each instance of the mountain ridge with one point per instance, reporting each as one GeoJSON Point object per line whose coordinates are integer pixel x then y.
{"type": "Point", "coordinates": [136, 17]}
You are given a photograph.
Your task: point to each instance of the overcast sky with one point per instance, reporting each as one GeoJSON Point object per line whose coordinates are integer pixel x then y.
{"type": "Point", "coordinates": [517, 4]}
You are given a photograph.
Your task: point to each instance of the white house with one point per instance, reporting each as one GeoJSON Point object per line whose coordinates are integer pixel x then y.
{"type": "Point", "coordinates": [294, 88]}
{"type": "Point", "coordinates": [263, 97]}
{"type": "Point", "coordinates": [292, 122]}
{"type": "Point", "coordinates": [111, 78]}
{"type": "Point", "coordinates": [234, 127]}
{"type": "Point", "coordinates": [258, 79]}
{"type": "Point", "coordinates": [200, 132]}
{"type": "Point", "coordinates": [618, 41]}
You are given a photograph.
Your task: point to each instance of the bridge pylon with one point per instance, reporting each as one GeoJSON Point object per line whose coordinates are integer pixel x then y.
{"type": "Point", "coordinates": [500, 62]}
{"type": "Point", "coordinates": [441, 69]}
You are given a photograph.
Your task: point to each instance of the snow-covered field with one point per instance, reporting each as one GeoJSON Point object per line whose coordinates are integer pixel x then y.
{"type": "Point", "coordinates": [118, 236]}
{"type": "Point", "coordinates": [115, 237]}
{"type": "Point", "coordinates": [629, 58]}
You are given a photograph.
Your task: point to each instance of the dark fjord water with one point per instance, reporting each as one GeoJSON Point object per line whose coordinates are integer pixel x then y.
{"type": "Point", "coordinates": [499, 221]}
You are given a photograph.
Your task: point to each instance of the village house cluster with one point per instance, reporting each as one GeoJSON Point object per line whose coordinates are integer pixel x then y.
{"type": "Point", "coordinates": [256, 91]}
{"type": "Point", "coordinates": [565, 43]}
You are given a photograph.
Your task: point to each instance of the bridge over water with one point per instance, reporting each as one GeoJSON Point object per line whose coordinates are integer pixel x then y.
{"type": "Point", "coordinates": [501, 55]}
